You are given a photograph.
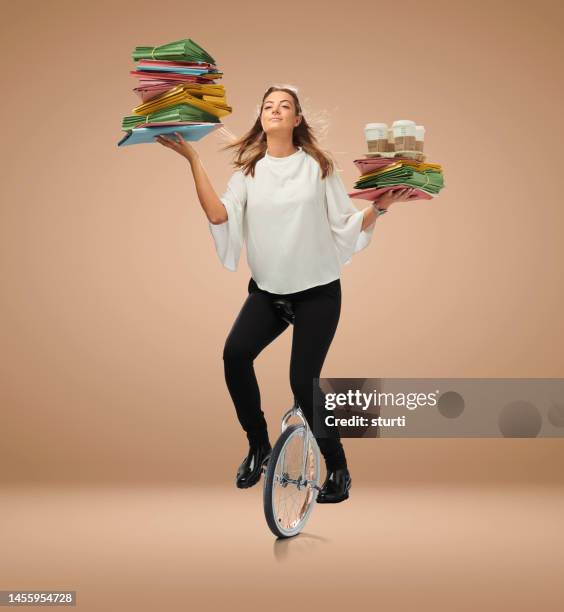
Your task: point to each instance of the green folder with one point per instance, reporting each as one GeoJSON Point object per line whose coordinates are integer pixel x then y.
{"type": "Point", "coordinates": [431, 181]}
{"type": "Point", "coordinates": [178, 112]}
{"type": "Point", "coordinates": [185, 50]}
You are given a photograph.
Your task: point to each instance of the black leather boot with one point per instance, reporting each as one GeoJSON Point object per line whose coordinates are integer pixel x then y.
{"type": "Point", "coordinates": [336, 487]}
{"type": "Point", "coordinates": [250, 470]}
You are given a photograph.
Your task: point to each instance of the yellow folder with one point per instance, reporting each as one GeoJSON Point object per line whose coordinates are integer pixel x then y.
{"type": "Point", "coordinates": [189, 93]}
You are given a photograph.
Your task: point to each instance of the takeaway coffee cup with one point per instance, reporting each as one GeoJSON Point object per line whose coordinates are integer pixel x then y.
{"type": "Point", "coordinates": [404, 135]}
{"type": "Point", "coordinates": [376, 137]}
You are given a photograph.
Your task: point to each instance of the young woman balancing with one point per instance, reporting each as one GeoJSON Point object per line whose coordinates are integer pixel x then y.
{"type": "Point", "coordinates": [286, 201]}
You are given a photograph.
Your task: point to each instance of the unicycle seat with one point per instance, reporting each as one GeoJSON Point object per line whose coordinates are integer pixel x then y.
{"type": "Point", "coordinates": [285, 309]}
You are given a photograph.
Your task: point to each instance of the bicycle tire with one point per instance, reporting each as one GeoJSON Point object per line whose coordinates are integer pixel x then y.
{"type": "Point", "coordinates": [268, 490]}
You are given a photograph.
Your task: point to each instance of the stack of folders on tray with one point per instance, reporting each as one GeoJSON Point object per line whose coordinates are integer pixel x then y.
{"type": "Point", "coordinates": [178, 93]}
{"type": "Point", "coordinates": [380, 174]}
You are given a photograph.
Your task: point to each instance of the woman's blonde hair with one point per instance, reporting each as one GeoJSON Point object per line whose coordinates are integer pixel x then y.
{"type": "Point", "coordinates": [252, 146]}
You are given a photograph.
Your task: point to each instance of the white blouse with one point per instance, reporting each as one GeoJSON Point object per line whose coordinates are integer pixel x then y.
{"type": "Point", "coordinates": [299, 229]}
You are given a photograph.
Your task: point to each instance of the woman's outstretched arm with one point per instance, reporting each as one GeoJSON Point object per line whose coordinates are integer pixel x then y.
{"type": "Point", "coordinates": [212, 206]}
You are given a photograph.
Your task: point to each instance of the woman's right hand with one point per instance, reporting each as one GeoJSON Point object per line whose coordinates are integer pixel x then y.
{"type": "Point", "coordinates": [394, 195]}
{"type": "Point", "coordinates": [180, 146]}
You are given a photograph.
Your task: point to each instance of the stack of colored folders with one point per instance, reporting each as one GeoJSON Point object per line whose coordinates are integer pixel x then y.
{"type": "Point", "coordinates": [380, 174]}
{"type": "Point", "coordinates": [178, 93]}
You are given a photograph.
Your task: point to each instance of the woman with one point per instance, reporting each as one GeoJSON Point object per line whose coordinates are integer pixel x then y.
{"type": "Point", "coordinates": [291, 208]}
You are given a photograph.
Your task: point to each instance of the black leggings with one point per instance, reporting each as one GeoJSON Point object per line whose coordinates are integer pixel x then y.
{"type": "Point", "coordinates": [317, 312]}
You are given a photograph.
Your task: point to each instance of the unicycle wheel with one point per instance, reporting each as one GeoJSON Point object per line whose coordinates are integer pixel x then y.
{"type": "Point", "coordinates": [290, 487]}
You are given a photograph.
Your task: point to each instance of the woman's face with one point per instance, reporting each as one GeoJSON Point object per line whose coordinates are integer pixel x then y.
{"type": "Point", "coordinates": [279, 113]}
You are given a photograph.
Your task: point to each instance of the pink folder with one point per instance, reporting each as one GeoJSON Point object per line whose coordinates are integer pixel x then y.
{"type": "Point", "coordinates": [369, 164]}
{"type": "Point", "coordinates": [148, 92]}
{"type": "Point", "coordinates": [158, 123]}
{"type": "Point", "coordinates": [152, 91]}
{"type": "Point", "coordinates": [373, 193]}
{"type": "Point", "coordinates": [171, 76]}
{"type": "Point", "coordinates": [180, 64]}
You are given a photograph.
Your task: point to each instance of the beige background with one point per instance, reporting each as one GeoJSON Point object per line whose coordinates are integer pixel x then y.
{"type": "Point", "coordinates": [115, 309]}
{"type": "Point", "coordinates": [115, 305]}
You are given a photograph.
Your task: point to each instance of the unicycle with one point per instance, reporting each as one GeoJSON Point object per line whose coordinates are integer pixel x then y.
{"type": "Point", "coordinates": [291, 480]}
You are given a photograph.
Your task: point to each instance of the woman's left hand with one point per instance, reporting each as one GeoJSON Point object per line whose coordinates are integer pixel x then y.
{"type": "Point", "coordinates": [179, 145]}
{"type": "Point", "coordinates": [394, 195]}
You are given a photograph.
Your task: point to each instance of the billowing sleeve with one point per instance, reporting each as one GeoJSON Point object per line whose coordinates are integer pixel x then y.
{"type": "Point", "coordinates": [229, 236]}
{"type": "Point", "coordinates": [345, 219]}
